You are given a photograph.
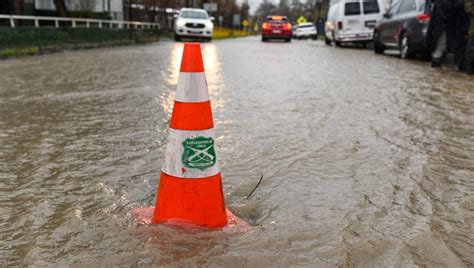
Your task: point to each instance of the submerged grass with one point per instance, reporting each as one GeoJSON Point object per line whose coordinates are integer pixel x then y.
{"type": "Point", "coordinates": [224, 33]}
{"type": "Point", "coordinates": [18, 52]}
{"type": "Point", "coordinates": [218, 34]}
{"type": "Point", "coordinates": [25, 41]}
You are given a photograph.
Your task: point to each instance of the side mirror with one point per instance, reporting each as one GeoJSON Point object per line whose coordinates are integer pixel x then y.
{"type": "Point", "coordinates": [212, 18]}
{"type": "Point", "coordinates": [386, 15]}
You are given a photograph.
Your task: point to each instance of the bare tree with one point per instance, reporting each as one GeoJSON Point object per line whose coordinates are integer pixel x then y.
{"type": "Point", "coordinates": [61, 7]}
{"type": "Point", "coordinates": [266, 8]}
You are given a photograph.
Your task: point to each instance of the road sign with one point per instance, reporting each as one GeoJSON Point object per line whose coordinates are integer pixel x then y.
{"type": "Point", "coordinates": [301, 19]}
{"type": "Point", "coordinates": [236, 20]}
{"type": "Point", "coordinates": [245, 23]}
{"type": "Point", "coordinates": [220, 20]}
{"type": "Point", "coordinates": [210, 7]}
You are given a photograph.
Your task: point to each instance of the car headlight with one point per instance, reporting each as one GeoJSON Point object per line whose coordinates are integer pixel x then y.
{"type": "Point", "coordinates": [180, 23]}
{"type": "Point", "coordinates": [209, 24]}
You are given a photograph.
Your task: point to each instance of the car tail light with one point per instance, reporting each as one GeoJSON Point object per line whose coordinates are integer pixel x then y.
{"type": "Point", "coordinates": [287, 26]}
{"type": "Point", "coordinates": [339, 25]}
{"type": "Point", "coordinates": [423, 17]}
{"type": "Point", "coordinates": [265, 26]}
{"type": "Point", "coordinates": [329, 26]}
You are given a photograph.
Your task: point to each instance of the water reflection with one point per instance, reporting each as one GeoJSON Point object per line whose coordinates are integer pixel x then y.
{"type": "Point", "coordinates": [212, 67]}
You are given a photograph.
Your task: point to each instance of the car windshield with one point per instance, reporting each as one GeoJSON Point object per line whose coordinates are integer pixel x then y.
{"type": "Point", "coordinates": [277, 18]}
{"type": "Point", "coordinates": [187, 14]}
{"type": "Point", "coordinates": [306, 26]}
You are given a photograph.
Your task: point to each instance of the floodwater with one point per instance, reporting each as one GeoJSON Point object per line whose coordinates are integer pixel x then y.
{"type": "Point", "coordinates": [367, 160]}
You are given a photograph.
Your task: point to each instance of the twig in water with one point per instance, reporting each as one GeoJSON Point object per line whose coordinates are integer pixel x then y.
{"type": "Point", "coordinates": [256, 186]}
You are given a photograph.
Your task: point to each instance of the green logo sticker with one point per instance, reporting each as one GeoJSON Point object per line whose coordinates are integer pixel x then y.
{"type": "Point", "coordinates": [198, 153]}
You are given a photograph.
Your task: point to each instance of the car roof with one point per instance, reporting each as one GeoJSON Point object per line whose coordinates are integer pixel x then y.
{"type": "Point", "coordinates": [193, 9]}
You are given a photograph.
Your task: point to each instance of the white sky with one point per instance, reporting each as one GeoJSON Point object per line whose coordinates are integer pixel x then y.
{"type": "Point", "coordinates": [255, 3]}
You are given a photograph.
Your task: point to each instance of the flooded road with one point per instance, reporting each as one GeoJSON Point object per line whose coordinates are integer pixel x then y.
{"type": "Point", "coordinates": [367, 160]}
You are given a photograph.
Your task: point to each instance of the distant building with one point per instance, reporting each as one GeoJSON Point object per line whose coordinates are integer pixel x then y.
{"type": "Point", "coordinates": [113, 7]}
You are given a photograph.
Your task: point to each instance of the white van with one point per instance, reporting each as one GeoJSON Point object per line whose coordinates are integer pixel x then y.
{"type": "Point", "coordinates": [353, 21]}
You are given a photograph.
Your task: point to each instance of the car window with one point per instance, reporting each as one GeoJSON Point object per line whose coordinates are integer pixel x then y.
{"type": "Point", "coordinates": [407, 6]}
{"type": "Point", "coordinates": [370, 7]}
{"type": "Point", "coordinates": [187, 14]}
{"type": "Point", "coordinates": [352, 9]}
{"type": "Point", "coordinates": [421, 5]}
{"type": "Point", "coordinates": [394, 8]}
{"type": "Point", "coordinates": [277, 18]}
{"type": "Point", "coordinates": [306, 26]}
{"type": "Point", "coordinates": [425, 5]}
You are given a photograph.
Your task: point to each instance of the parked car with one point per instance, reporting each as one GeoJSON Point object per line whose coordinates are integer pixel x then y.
{"type": "Point", "coordinates": [305, 30]}
{"type": "Point", "coordinates": [353, 21]}
{"type": "Point", "coordinates": [404, 27]}
{"type": "Point", "coordinates": [193, 23]}
{"type": "Point", "coordinates": [294, 29]}
{"type": "Point", "coordinates": [276, 27]}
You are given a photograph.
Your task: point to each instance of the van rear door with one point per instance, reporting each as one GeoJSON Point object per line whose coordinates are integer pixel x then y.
{"type": "Point", "coordinates": [352, 22]}
{"type": "Point", "coordinates": [371, 14]}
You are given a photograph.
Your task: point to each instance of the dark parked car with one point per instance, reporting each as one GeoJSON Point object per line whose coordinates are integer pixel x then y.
{"type": "Point", "coordinates": [404, 27]}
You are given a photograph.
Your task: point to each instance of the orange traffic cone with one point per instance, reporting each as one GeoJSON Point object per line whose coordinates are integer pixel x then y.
{"type": "Point", "coordinates": [190, 190]}
{"type": "Point", "coordinates": [190, 182]}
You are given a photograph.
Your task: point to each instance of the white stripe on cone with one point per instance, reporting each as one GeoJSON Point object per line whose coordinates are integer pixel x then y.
{"type": "Point", "coordinates": [174, 151]}
{"type": "Point", "coordinates": [192, 87]}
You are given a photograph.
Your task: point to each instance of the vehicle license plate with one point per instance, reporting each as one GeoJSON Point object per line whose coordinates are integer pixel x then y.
{"type": "Point", "coordinates": [353, 21]}
{"type": "Point", "coordinates": [276, 31]}
{"type": "Point", "coordinates": [370, 23]}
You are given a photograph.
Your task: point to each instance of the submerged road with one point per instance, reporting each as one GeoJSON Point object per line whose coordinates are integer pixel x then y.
{"type": "Point", "coordinates": [367, 160]}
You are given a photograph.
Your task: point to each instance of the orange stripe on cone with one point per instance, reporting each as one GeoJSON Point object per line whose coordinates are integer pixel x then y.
{"type": "Point", "coordinates": [192, 58]}
{"type": "Point", "coordinates": [191, 116]}
{"type": "Point", "coordinates": [199, 201]}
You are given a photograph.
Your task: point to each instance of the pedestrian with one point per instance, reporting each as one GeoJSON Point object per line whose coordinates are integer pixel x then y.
{"type": "Point", "coordinates": [444, 31]}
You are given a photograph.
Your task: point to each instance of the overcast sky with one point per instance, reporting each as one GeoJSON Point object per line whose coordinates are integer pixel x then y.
{"type": "Point", "coordinates": [255, 3]}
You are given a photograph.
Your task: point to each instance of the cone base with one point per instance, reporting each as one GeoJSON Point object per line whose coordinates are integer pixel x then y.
{"type": "Point", "coordinates": [198, 201]}
{"type": "Point", "coordinates": [144, 216]}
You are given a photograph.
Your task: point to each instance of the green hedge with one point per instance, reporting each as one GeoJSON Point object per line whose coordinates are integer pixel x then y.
{"type": "Point", "coordinates": [66, 37]}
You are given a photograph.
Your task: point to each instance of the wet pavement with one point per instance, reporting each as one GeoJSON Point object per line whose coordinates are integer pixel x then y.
{"type": "Point", "coordinates": [367, 160]}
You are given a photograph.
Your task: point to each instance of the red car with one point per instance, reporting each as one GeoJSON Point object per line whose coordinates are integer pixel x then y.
{"type": "Point", "coordinates": [276, 27]}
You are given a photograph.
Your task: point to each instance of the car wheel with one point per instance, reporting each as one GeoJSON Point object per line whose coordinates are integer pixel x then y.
{"type": "Point", "coordinates": [378, 46]}
{"type": "Point", "coordinates": [264, 39]}
{"type": "Point", "coordinates": [405, 49]}
{"type": "Point", "coordinates": [288, 40]}
{"type": "Point", "coordinates": [314, 37]}
{"type": "Point", "coordinates": [338, 43]}
{"type": "Point", "coordinates": [177, 37]}
{"type": "Point", "coordinates": [327, 41]}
